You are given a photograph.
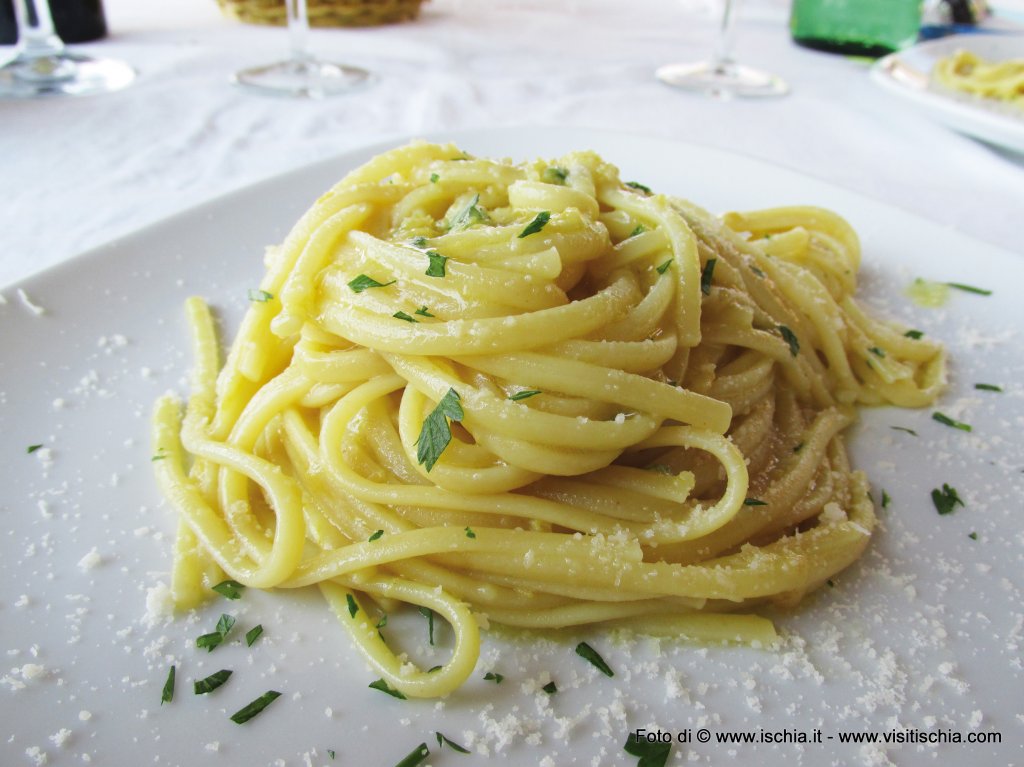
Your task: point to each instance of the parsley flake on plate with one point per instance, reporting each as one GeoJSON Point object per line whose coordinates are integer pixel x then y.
{"type": "Point", "coordinates": [588, 653]}
{"type": "Point", "coordinates": [651, 753]}
{"type": "Point", "coordinates": [255, 708]}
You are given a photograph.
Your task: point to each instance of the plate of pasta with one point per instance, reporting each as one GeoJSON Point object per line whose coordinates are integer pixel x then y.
{"type": "Point", "coordinates": [551, 447]}
{"type": "Point", "coordinates": [972, 83]}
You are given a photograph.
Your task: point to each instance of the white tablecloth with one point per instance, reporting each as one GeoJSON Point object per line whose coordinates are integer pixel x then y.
{"type": "Point", "coordinates": [79, 172]}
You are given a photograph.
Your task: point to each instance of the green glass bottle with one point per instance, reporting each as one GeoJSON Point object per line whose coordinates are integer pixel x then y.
{"type": "Point", "coordinates": [855, 27]}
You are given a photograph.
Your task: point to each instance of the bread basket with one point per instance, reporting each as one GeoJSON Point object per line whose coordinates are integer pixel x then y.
{"type": "Point", "coordinates": [325, 13]}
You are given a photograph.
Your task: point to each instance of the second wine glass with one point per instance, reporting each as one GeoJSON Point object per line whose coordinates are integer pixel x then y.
{"type": "Point", "coordinates": [41, 66]}
{"type": "Point", "coordinates": [721, 75]}
{"type": "Point", "coordinates": [302, 75]}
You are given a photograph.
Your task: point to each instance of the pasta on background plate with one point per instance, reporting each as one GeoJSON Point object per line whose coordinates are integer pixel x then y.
{"type": "Point", "coordinates": [994, 81]}
{"type": "Point", "coordinates": [537, 396]}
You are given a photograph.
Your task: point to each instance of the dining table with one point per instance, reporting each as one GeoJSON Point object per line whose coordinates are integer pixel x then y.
{"type": "Point", "coordinates": [127, 182]}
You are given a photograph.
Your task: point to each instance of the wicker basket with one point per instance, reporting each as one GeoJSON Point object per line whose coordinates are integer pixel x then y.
{"type": "Point", "coordinates": [325, 13]}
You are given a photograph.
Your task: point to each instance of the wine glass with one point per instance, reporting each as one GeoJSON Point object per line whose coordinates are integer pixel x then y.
{"type": "Point", "coordinates": [722, 76]}
{"type": "Point", "coordinates": [301, 75]}
{"type": "Point", "coordinates": [41, 66]}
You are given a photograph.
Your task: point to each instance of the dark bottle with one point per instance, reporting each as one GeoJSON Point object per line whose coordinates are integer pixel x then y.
{"type": "Point", "coordinates": [76, 21]}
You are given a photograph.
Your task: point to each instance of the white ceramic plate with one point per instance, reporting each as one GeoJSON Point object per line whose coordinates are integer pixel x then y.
{"type": "Point", "coordinates": [908, 74]}
{"type": "Point", "coordinates": [924, 633]}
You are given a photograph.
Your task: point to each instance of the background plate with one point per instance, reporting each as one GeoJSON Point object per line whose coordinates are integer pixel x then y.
{"type": "Point", "coordinates": [907, 74]}
{"type": "Point", "coordinates": [924, 633]}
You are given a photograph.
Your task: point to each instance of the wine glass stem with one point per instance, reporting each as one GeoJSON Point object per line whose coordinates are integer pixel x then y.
{"type": "Point", "coordinates": [723, 59]}
{"type": "Point", "coordinates": [36, 35]}
{"type": "Point", "coordinates": [298, 29]}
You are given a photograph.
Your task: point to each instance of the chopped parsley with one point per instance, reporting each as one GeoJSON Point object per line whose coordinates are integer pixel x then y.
{"type": "Point", "coordinates": [550, 688]}
{"type": "Point", "coordinates": [911, 432]}
{"type": "Point", "coordinates": [167, 695]}
{"type": "Point", "coordinates": [403, 316]}
{"type": "Point", "coordinates": [157, 457]}
{"type": "Point", "coordinates": [443, 741]}
{"type": "Point", "coordinates": [945, 419]}
{"type": "Point", "coordinates": [588, 653]}
{"type": "Point", "coordinates": [436, 266]}
{"type": "Point", "coordinates": [363, 282]}
{"type": "Point", "coordinates": [330, 753]}
{"type": "Point", "coordinates": [470, 533]}
{"type": "Point", "coordinates": [638, 229]}
{"type": "Point", "coordinates": [555, 175]}
{"type": "Point", "coordinates": [538, 223]}
{"type": "Point", "coordinates": [212, 682]}
{"type": "Point", "coordinates": [229, 589]}
{"type": "Point", "coordinates": [914, 334]}
{"type": "Point", "coordinates": [384, 687]}
{"type": "Point", "coordinates": [253, 634]}
{"type": "Point", "coordinates": [469, 215]}
{"type": "Point", "coordinates": [423, 312]}
{"type": "Point", "coordinates": [651, 753]}
{"type": "Point", "coordinates": [259, 296]}
{"type": "Point", "coordinates": [416, 757]}
{"type": "Point", "coordinates": [886, 500]}
{"type": "Point", "coordinates": [662, 268]}
{"type": "Point", "coordinates": [790, 338]}
{"type": "Point", "coordinates": [353, 608]}
{"type": "Point", "coordinates": [972, 536]}
{"type": "Point", "coordinates": [706, 276]}
{"type": "Point", "coordinates": [639, 187]}
{"type": "Point", "coordinates": [255, 708]}
{"type": "Point", "coordinates": [492, 676]}
{"type": "Point", "coordinates": [946, 499]}
{"type": "Point", "coordinates": [757, 271]}
{"type": "Point", "coordinates": [969, 288]}
{"type": "Point", "coordinates": [877, 351]}
{"type": "Point", "coordinates": [377, 534]}
{"type": "Point", "coordinates": [420, 243]}
{"type": "Point", "coordinates": [988, 387]}
{"type": "Point", "coordinates": [214, 639]}
{"type": "Point", "coordinates": [525, 394]}
{"type": "Point", "coordinates": [427, 613]}
{"type": "Point", "coordinates": [436, 432]}
{"type": "Point", "coordinates": [434, 178]}
{"type": "Point", "coordinates": [754, 502]}
{"type": "Point", "coordinates": [32, 448]}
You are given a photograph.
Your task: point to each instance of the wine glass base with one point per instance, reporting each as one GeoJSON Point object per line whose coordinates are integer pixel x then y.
{"type": "Point", "coordinates": [303, 78]}
{"type": "Point", "coordinates": [722, 80]}
{"type": "Point", "coordinates": [62, 74]}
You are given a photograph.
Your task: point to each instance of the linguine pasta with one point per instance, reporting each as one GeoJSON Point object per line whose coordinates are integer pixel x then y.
{"type": "Point", "coordinates": [534, 395]}
{"type": "Point", "coordinates": [966, 72]}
